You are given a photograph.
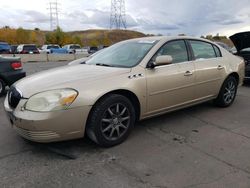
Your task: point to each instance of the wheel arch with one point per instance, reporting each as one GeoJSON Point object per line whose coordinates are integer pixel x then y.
{"type": "Point", "coordinates": [126, 93]}
{"type": "Point", "coordinates": [5, 81]}
{"type": "Point", "coordinates": [235, 75]}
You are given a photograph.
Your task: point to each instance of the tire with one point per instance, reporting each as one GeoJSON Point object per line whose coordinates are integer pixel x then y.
{"type": "Point", "coordinates": [227, 93]}
{"type": "Point", "coordinates": [2, 87]}
{"type": "Point", "coordinates": [111, 120]}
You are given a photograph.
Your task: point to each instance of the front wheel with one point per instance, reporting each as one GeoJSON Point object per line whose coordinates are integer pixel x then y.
{"type": "Point", "coordinates": [111, 120]}
{"type": "Point", "coordinates": [2, 87]}
{"type": "Point", "coordinates": [227, 93]}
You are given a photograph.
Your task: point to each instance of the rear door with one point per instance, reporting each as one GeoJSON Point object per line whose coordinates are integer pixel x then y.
{"type": "Point", "coordinates": [209, 68]}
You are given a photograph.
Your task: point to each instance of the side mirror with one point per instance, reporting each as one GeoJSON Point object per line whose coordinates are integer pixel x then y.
{"type": "Point", "coordinates": [163, 60]}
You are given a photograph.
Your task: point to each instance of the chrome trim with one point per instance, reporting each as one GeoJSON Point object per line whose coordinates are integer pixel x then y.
{"type": "Point", "coordinates": [20, 92]}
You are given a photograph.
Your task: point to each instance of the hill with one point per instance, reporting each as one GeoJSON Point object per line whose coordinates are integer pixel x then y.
{"type": "Point", "coordinates": [93, 37]}
{"type": "Point", "coordinates": [104, 37]}
{"type": "Point", "coordinates": [84, 38]}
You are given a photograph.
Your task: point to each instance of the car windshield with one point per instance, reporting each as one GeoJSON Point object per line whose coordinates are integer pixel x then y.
{"type": "Point", "coordinates": [93, 48]}
{"type": "Point", "coordinates": [29, 47]}
{"type": "Point", "coordinates": [246, 50]}
{"type": "Point", "coordinates": [123, 54]}
{"type": "Point", "coordinates": [53, 46]}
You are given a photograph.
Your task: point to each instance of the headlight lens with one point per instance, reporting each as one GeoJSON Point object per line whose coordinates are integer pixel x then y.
{"type": "Point", "coordinates": [52, 100]}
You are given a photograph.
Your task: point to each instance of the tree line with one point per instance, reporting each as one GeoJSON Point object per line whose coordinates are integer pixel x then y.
{"type": "Point", "coordinates": [83, 38]}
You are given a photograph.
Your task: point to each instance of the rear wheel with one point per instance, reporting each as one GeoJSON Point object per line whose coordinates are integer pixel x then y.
{"type": "Point", "coordinates": [227, 92]}
{"type": "Point", "coordinates": [111, 120]}
{"type": "Point", "coordinates": [2, 87]}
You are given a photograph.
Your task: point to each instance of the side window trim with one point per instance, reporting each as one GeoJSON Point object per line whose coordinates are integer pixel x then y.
{"type": "Point", "coordinates": [190, 50]}
{"type": "Point", "coordinates": [187, 49]}
{"type": "Point", "coordinates": [215, 47]}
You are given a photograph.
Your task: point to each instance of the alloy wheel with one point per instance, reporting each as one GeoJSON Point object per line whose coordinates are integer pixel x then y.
{"type": "Point", "coordinates": [230, 91]}
{"type": "Point", "coordinates": [115, 121]}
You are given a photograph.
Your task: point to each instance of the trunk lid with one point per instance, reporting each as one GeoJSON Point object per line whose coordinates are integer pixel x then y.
{"type": "Point", "coordinates": [241, 40]}
{"type": "Point", "coordinates": [6, 63]}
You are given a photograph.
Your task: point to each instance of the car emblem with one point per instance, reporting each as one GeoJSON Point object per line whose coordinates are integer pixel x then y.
{"type": "Point", "coordinates": [135, 76]}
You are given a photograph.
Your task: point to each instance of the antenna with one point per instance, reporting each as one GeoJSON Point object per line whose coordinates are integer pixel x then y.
{"type": "Point", "coordinates": [118, 14]}
{"type": "Point", "coordinates": [53, 10]}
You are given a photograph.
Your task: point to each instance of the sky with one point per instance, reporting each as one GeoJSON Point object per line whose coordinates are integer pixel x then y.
{"type": "Point", "coordinates": [190, 17]}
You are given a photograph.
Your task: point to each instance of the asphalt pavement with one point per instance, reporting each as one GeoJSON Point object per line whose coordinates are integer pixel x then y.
{"type": "Point", "coordinates": [201, 146]}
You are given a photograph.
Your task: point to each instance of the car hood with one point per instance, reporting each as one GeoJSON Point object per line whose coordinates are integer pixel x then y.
{"type": "Point", "coordinates": [66, 77]}
{"type": "Point", "coordinates": [241, 40]}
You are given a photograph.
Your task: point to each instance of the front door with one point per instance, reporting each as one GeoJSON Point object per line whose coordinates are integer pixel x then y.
{"type": "Point", "coordinates": [170, 86]}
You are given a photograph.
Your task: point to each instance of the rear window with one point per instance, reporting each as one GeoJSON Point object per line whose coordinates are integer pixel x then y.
{"type": "Point", "coordinates": [29, 47]}
{"type": "Point", "coordinates": [202, 50]}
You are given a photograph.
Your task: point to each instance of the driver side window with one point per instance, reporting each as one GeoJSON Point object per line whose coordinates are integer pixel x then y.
{"type": "Point", "coordinates": [177, 49]}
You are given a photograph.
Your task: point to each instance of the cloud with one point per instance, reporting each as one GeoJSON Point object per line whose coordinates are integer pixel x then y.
{"type": "Point", "coordinates": [193, 17]}
{"type": "Point", "coordinates": [35, 16]}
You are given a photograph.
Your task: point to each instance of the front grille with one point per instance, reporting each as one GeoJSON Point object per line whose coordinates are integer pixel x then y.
{"type": "Point", "coordinates": [14, 97]}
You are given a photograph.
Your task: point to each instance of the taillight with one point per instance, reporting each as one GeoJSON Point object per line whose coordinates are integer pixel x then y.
{"type": "Point", "coordinates": [24, 52]}
{"type": "Point", "coordinates": [16, 65]}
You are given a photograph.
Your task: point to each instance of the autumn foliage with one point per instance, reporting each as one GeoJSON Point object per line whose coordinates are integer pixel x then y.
{"type": "Point", "coordinates": [84, 38]}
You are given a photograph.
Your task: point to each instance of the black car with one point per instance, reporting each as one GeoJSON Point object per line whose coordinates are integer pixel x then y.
{"type": "Point", "coordinates": [4, 48]}
{"type": "Point", "coordinates": [11, 70]}
{"type": "Point", "coordinates": [27, 49]}
{"type": "Point", "coordinates": [242, 44]}
{"type": "Point", "coordinates": [92, 50]}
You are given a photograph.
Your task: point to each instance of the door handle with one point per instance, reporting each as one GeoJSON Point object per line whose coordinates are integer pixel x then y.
{"type": "Point", "coordinates": [220, 67]}
{"type": "Point", "coordinates": [188, 73]}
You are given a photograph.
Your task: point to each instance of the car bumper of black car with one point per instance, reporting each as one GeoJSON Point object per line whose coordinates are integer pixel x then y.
{"type": "Point", "coordinates": [247, 72]}
{"type": "Point", "coordinates": [13, 76]}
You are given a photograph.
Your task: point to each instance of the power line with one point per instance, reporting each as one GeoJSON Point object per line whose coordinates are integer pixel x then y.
{"type": "Point", "coordinates": [118, 14]}
{"type": "Point", "coordinates": [53, 11]}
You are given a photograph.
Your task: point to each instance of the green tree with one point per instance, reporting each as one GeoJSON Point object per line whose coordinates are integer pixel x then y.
{"type": "Point", "coordinates": [59, 36]}
{"type": "Point", "coordinates": [77, 40]}
{"type": "Point", "coordinates": [22, 36]}
{"type": "Point", "coordinates": [55, 37]}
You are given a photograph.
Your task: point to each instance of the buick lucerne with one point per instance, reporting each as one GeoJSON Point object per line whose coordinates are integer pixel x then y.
{"type": "Point", "coordinates": [127, 82]}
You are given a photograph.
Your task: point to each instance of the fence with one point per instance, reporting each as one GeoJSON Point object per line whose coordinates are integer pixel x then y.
{"type": "Point", "coordinates": [47, 57]}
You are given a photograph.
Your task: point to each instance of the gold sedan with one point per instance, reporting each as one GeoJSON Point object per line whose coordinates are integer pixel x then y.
{"type": "Point", "coordinates": [129, 81]}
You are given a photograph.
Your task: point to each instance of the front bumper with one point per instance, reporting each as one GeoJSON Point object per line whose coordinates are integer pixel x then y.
{"type": "Point", "coordinates": [247, 72]}
{"type": "Point", "coordinates": [47, 127]}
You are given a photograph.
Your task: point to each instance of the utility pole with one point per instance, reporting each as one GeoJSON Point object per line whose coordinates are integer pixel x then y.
{"type": "Point", "coordinates": [53, 10]}
{"type": "Point", "coordinates": [118, 14]}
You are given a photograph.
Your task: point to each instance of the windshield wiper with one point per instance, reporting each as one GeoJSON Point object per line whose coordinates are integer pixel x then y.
{"type": "Point", "coordinates": [103, 64]}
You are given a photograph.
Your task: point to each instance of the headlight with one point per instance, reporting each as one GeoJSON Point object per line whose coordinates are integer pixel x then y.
{"type": "Point", "coordinates": [52, 100]}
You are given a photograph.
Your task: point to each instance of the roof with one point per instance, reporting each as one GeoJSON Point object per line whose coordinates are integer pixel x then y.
{"type": "Point", "coordinates": [171, 38]}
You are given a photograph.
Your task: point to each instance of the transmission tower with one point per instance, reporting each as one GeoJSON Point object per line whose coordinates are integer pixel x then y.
{"type": "Point", "coordinates": [53, 10]}
{"type": "Point", "coordinates": [118, 14]}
